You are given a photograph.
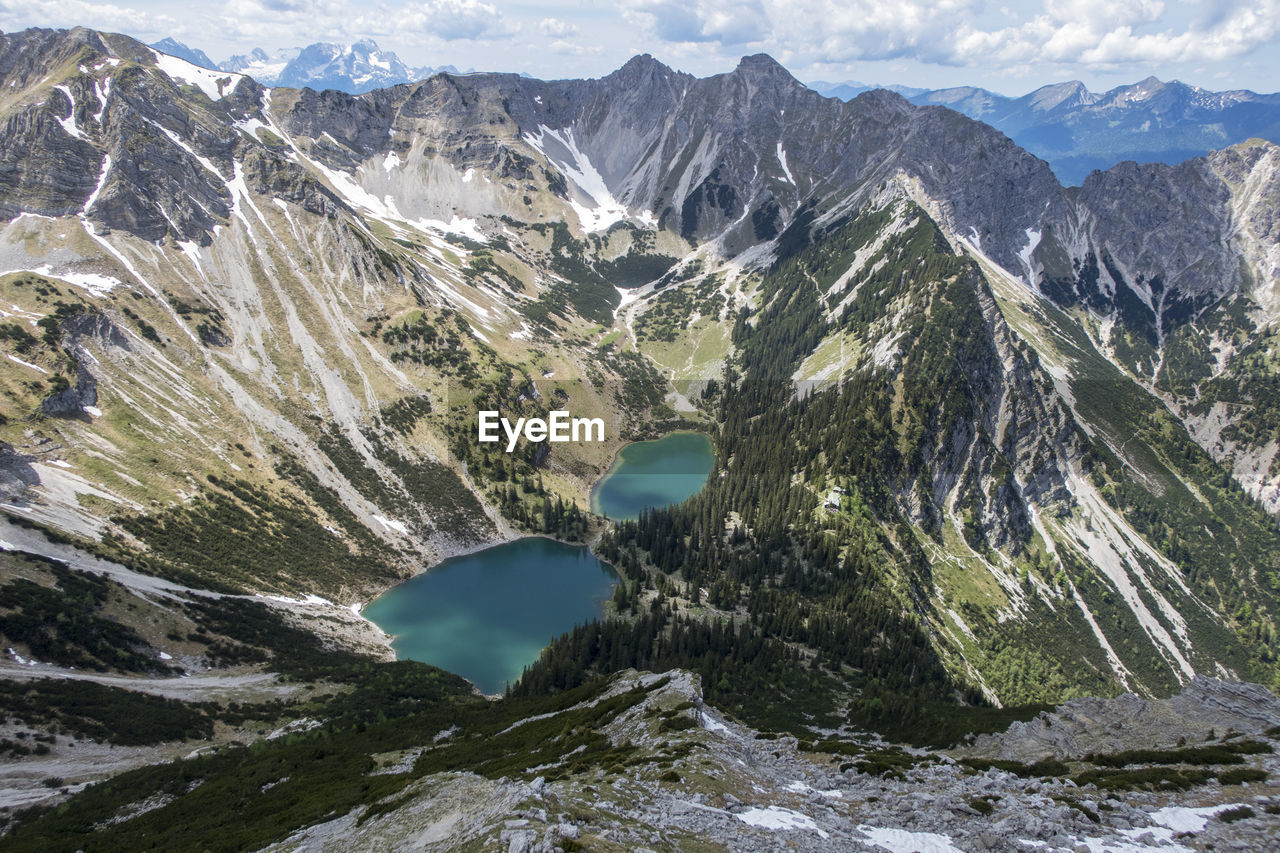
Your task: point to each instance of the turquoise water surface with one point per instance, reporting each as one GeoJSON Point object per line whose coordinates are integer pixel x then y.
{"type": "Point", "coordinates": [654, 474]}
{"type": "Point", "coordinates": [487, 615]}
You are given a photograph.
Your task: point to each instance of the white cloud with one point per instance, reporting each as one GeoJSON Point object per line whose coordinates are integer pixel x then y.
{"type": "Point", "coordinates": [275, 23]}
{"type": "Point", "coordinates": [993, 39]}
{"type": "Point", "coordinates": [724, 21]}
{"type": "Point", "coordinates": [1117, 33]}
{"type": "Point", "coordinates": [1108, 33]}
{"type": "Point", "coordinates": [73, 13]}
{"type": "Point", "coordinates": [570, 48]}
{"type": "Point", "coordinates": [454, 20]}
{"type": "Point", "coordinates": [556, 28]}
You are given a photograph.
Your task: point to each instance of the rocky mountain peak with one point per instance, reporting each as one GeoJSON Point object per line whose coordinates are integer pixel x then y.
{"type": "Point", "coordinates": [195, 56]}
{"type": "Point", "coordinates": [763, 67]}
{"type": "Point", "coordinates": [641, 67]}
{"type": "Point", "coordinates": [1071, 93]}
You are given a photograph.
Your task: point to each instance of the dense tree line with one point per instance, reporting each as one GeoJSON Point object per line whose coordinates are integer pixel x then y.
{"type": "Point", "coordinates": [809, 602]}
{"type": "Point", "coordinates": [822, 599]}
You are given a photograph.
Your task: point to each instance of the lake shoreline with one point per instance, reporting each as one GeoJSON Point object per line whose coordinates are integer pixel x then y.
{"type": "Point", "coordinates": [475, 601]}
{"type": "Point", "coordinates": [617, 459]}
{"type": "Point", "coordinates": [487, 616]}
{"type": "Point", "coordinates": [595, 502]}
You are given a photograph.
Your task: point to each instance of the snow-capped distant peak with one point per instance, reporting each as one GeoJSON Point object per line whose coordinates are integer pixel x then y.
{"type": "Point", "coordinates": [354, 68]}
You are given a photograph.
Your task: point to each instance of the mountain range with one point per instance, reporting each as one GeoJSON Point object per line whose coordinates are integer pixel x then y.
{"type": "Point", "coordinates": [355, 68]}
{"type": "Point", "coordinates": [1078, 131]}
{"type": "Point", "coordinates": [246, 331]}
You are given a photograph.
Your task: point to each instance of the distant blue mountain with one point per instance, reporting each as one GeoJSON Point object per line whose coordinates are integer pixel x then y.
{"type": "Point", "coordinates": [850, 89]}
{"type": "Point", "coordinates": [191, 54]}
{"type": "Point", "coordinates": [1078, 131]}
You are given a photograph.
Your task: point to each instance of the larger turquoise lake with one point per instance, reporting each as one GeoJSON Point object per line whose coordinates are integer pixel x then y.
{"type": "Point", "coordinates": [488, 615]}
{"type": "Point", "coordinates": [654, 474]}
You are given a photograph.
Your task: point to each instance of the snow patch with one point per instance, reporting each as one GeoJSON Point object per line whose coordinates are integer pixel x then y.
{"type": "Point", "coordinates": [118, 255]}
{"type": "Point", "coordinates": [1033, 240]}
{"type": "Point", "coordinates": [391, 162]}
{"type": "Point", "coordinates": [177, 140]}
{"type": "Point", "coordinates": [1148, 838]}
{"type": "Point", "coordinates": [69, 123]}
{"type": "Point", "coordinates": [102, 91]}
{"type": "Point", "coordinates": [92, 411]}
{"type": "Point", "coordinates": [97, 190]}
{"type": "Point", "coordinates": [385, 208]}
{"type": "Point", "coordinates": [191, 249]}
{"type": "Point", "coordinates": [215, 84]}
{"type": "Point", "coordinates": [463, 227]}
{"type": "Point", "coordinates": [97, 285]}
{"type": "Point", "coordinates": [776, 817]}
{"type": "Point", "coordinates": [902, 841]}
{"type": "Point", "coordinates": [577, 167]}
{"type": "Point", "coordinates": [306, 601]}
{"type": "Point", "coordinates": [17, 360]}
{"type": "Point", "coordinates": [801, 788]}
{"type": "Point", "coordinates": [782, 161]}
{"type": "Point", "coordinates": [20, 660]}
{"type": "Point", "coordinates": [389, 524]}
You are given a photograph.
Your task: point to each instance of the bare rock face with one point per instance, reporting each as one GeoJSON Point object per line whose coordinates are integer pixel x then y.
{"type": "Point", "coordinates": [742, 156]}
{"type": "Point", "coordinates": [71, 402]}
{"type": "Point", "coordinates": [1206, 708]}
{"type": "Point", "coordinates": [128, 147]}
{"type": "Point", "coordinates": [736, 158]}
{"type": "Point", "coordinates": [16, 473]}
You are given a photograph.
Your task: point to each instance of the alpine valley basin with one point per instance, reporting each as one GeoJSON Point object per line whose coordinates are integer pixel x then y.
{"type": "Point", "coordinates": [488, 615]}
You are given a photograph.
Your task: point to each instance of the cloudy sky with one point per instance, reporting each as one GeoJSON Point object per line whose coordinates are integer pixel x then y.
{"type": "Point", "coordinates": [1010, 47]}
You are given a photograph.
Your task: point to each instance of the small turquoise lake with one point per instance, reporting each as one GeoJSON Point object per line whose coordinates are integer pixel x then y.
{"type": "Point", "coordinates": [654, 474]}
{"type": "Point", "coordinates": [488, 615]}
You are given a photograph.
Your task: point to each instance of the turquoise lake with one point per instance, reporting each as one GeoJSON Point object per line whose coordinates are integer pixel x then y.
{"type": "Point", "coordinates": [654, 473]}
{"type": "Point", "coordinates": [488, 615]}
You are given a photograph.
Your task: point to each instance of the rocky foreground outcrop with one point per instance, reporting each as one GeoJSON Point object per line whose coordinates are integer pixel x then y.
{"type": "Point", "coordinates": [1205, 709]}
{"type": "Point", "coordinates": [705, 780]}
